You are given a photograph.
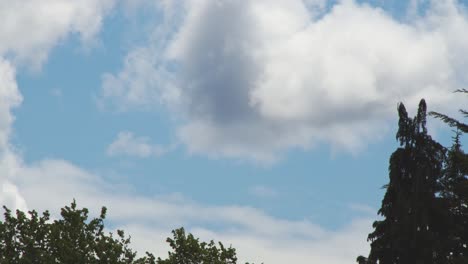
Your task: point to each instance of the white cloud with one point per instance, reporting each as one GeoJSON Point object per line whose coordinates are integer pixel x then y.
{"type": "Point", "coordinates": [30, 28]}
{"type": "Point", "coordinates": [256, 78]}
{"type": "Point", "coordinates": [131, 86]}
{"type": "Point", "coordinates": [256, 235]}
{"type": "Point", "coordinates": [145, 78]}
{"type": "Point", "coordinates": [338, 247]}
{"type": "Point", "coordinates": [9, 193]}
{"type": "Point", "coordinates": [9, 98]}
{"type": "Point", "coordinates": [128, 144]}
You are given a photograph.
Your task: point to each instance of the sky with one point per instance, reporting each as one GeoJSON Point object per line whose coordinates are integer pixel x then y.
{"type": "Point", "coordinates": [265, 124]}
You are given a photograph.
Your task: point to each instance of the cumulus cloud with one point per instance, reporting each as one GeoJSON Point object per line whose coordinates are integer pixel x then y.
{"type": "Point", "coordinates": [127, 144]}
{"type": "Point", "coordinates": [31, 28]}
{"type": "Point", "coordinates": [257, 235]}
{"type": "Point", "coordinates": [256, 78]}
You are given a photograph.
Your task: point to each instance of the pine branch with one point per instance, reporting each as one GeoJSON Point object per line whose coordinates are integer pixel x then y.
{"type": "Point", "coordinates": [464, 112]}
{"type": "Point", "coordinates": [451, 121]}
{"type": "Point", "coordinates": [461, 91]}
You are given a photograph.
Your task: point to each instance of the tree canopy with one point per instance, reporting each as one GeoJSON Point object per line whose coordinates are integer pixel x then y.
{"type": "Point", "coordinates": [188, 249]}
{"type": "Point", "coordinates": [29, 238]}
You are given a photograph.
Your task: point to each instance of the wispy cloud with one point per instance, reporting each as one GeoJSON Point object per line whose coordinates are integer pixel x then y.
{"type": "Point", "coordinates": [257, 236]}
{"type": "Point", "coordinates": [127, 144]}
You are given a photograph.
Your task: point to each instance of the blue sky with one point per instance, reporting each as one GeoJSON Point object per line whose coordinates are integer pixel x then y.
{"type": "Point", "coordinates": [265, 124]}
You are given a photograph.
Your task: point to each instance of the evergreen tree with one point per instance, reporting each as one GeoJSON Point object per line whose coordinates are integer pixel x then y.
{"type": "Point", "coordinates": [452, 122]}
{"type": "Point", "coordinates": [410, 232]}
{"type": "Point", "coordinates": [455, 190]}
{"type": "Point", "coordinates": [455, 194]}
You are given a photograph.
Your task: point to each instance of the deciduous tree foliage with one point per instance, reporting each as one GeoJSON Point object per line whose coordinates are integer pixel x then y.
{"type": "Point", "coordinates": [188, 249]}
{"type": "Point", "coordinates": [72, 239]}
{"type": "Point", "coordinates": [32, 238]}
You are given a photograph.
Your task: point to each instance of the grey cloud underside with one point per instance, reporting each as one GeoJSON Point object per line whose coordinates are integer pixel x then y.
{"type": "Point", "coordinates": [217, 70]}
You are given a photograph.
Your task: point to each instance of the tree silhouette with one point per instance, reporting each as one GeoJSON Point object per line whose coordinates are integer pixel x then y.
{"type": "Point", "coordinates": [452, 122]}
{"type": "Point", "coordinates": [455, 196]}
{"type": "Point", "coordinates": [410, 231]}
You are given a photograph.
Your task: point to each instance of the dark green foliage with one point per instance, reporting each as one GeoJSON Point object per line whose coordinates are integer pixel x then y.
{"type": "Point", "coordinates": [455, 195]}
{"type": "Point", "coordinates": [452, 121]}
{"type": "Point", "coordinates": [425, 208]}
{"type": "Point", "coordinates": [454, 191]}
{"type": "Point", "coordinates": [72, 239]}
{"type": "Point", "coordinates": [187, 249]}
{"type": "Point", "coordinates": [410, 232]}
{"type": "Point", "coordinates": [31, 239]}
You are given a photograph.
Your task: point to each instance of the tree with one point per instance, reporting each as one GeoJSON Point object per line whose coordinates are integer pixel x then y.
{"type": "Point", "coordinates": [71, 239]}
{"type": "Point", "coordinates": [187, 249]}
{"type": "Point", "coordinates": [455, 196]}
{"type": "Point", "coordinates": [452, 122]}
{"type": "Point", "coordinates": [31, 239]}
{"type": "Point", "coordinates": [410, 231]}
{"type": "Point", "coordinates": [455, 190]}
